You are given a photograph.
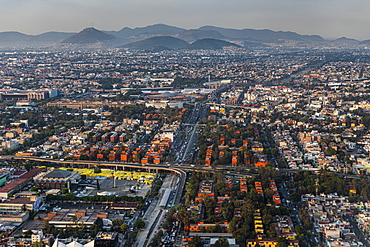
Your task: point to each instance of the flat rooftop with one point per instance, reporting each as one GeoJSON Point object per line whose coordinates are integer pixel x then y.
{"type": "Point", "coordinates": [106, 235]}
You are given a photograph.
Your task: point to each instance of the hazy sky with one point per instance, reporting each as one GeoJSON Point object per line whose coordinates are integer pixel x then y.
{"type": "Point", "coordinates": [328, 18]}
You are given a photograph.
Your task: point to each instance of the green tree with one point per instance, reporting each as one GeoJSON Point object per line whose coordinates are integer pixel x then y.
{"type": "Point", "coordinates": [37, 244]}
{"type": "Point", "coordinates": [97, 227]}
{"type": "Point", "coordinates": [28, 234]}
{"type": "Point", "coordinates": [196, 242]}
{"type": "Point", "coordinates": [139, 224]}
{"type": "Point", "coordinates": [34, 189]}
{"type": "Point", "coordinates": [221, 242]}
{"type": "Point", "coordinates": [183, 214]}
{"type": "Point", "coordinates": [157, 239]}
{"type": "Point", "coordinates": [84, 157]}
{"type": "Point", "coordinates": [282, 242]}
{"type": "Point", "coordinates": [233, 225]}
{"type": "Point", "coordinates": [330, 151]}
{"type": "Point", "coordinates": [124, 228]}
{"type": "Point", "coordinates": [117, 222]}
{"type": "Point", "coordinates": [48, 228]}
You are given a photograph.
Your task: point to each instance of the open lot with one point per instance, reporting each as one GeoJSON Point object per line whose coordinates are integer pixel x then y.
{"type": "Point", "coordinates": [122, 187]}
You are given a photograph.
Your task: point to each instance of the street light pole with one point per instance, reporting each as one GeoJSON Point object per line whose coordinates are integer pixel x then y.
{"type": "Point", "coordinates": [114, 178]}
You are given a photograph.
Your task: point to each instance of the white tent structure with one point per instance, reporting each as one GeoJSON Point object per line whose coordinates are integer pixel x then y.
{"type": "Point", "coordinates": [75, 244]}
{"type": "Point", "coordinates": [90, 244]}
{"type": "Point", "coordinates": [57, 243]}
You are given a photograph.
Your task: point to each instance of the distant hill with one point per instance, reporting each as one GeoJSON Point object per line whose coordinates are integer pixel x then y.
{"type": "Point", "coordinates": [159, 42]}
{"type": "Point", "coordinates": [89, 36]}
{"type": "Point", "coordinates": [48, 37]}
{"type": "Point", "coordinates": [209, 44]}
{"type": "Point", "coordinates": [262, 35]}
{"type": "Point", "coordinates": [196, 34]}
{"type": "Point", "coordinates": [346, 40]}
{"type": "Point", "coordinates": [343, 42]}
{"type": "Point", "coordinates": [52, 37]}
{"type": "Point", "coordinates": [14, 37]}
{"type": "Point", "coordinates": [148, 31]}
{"type": "Point", "coordinates": [257, 37]}
{"type": "Point", "coordinates": [365, 42]}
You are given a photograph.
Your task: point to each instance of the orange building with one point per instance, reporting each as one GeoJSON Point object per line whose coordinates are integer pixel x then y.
{"type": "Point", "coordinates": [113, 155]}
{"type": "Point", "coordinates": [125, 155]}
{"type": "Point", "coordinates": [201, 225]}
{"type": "Point", "coordinates": [258, 187]}
{"type": "Point", "coordinates": [208, 159]}
{"type": "Point", "coordinates": [261, 164]}
{"type": "Point", "coordinates": [275, 197]}
{"type": "Point", "coordinates": [234, 159]}
{"type": "Point", "coordinates": [243, 185]}
{"type": "Point", "coordinates": [205, 190]}
{"type": "Point", "coordinates": [245, 143]}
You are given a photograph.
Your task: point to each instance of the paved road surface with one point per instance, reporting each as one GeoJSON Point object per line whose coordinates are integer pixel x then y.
{"type": "Point", "coordinates": [151, 215]}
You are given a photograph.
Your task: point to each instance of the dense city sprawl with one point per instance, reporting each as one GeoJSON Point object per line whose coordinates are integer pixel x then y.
{"type": "Point", "coordinates": [233, 147]}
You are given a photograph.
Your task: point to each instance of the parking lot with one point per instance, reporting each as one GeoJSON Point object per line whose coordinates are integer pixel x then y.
{"type": "Point", "coordinates": [122, 187]}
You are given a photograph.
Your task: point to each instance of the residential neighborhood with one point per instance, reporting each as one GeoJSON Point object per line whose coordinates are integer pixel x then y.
{"type": "Point", "coordinates": [263, 147]}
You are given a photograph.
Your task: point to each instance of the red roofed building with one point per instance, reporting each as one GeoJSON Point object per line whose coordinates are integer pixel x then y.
{"type": "Point", "coordinates": [17, 184]}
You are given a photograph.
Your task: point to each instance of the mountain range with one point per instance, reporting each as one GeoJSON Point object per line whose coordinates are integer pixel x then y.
{"type": "Point", "coordinates": [88, 36]}
{"type": "Point", "coordinates": [165, 42]}
{"type": "Point", "coordinates": [172, 38]}
{"type": "Point", "coordinates": [159, 43]}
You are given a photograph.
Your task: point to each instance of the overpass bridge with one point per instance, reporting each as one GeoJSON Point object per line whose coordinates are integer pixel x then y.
{"type": "Point", "coordinates": [177, 168]}
{"type": "Point", "coordinates": [103, 164]}
{"type": "Point", "coordinates": [113, 165]}
{"type": "Point", "coordinates": [228, 105]}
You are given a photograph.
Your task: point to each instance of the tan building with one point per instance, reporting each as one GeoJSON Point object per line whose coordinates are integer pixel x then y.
{"type": "Point", "coordinates": [22, 202]}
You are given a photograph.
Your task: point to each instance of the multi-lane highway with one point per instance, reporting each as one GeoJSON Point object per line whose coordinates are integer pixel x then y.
{"type": "Point", "coordinates": [184, 148]}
